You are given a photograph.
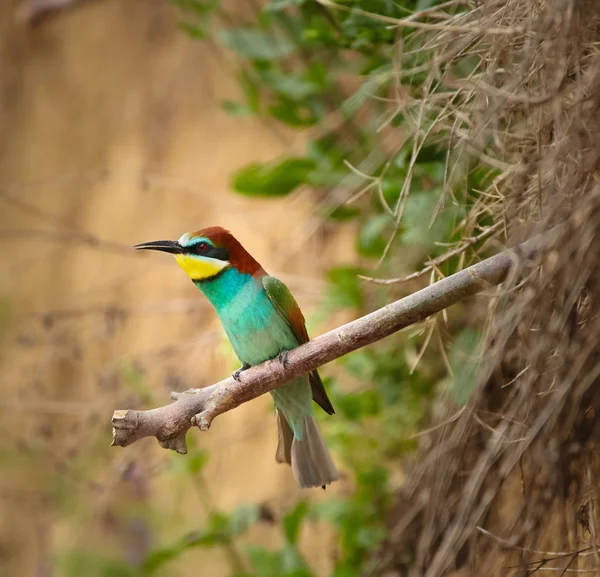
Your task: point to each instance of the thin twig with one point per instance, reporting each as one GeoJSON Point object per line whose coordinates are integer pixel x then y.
{"type": "Point", "coordinates": [411, 22]}
{"type": "Point", "coordinates": [466, 243]}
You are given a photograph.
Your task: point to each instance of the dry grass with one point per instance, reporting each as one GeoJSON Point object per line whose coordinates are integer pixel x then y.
{"type": "Point", "coordinates": [510, 485]}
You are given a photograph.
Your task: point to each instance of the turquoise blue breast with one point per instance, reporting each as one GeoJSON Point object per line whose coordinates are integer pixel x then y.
{"type": "Point", "coordinates": [253, 325]}
{"type": "Point", "coordinates": [258, 332]}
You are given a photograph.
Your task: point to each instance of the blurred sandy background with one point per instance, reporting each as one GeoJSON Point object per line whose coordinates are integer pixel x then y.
{"type": "Point", "coordinates": [112, 134]}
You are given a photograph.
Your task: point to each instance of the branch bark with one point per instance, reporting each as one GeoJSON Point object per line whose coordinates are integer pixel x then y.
{"type": "Point", "coordinates": [198, 407]}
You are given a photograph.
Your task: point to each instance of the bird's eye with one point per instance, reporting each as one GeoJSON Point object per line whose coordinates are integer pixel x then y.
{"type": "Point", "coordinates": [201, 247]}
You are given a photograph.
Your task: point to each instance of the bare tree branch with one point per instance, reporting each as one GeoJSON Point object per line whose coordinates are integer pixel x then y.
{"type": "Point", "coordinates": [170, 423]}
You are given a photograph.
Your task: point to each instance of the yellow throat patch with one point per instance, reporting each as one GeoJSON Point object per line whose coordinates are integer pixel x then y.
{"type": "Point", "coordinates": [200, 267]}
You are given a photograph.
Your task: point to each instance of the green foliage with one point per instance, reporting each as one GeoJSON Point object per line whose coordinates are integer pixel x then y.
{"type": "Point", "coordinates": [372, 237]}
{"type": "Point", "coordinates": [221, 530]}
{"type": "Point", "coordinates": [256, 44]}
{"type": "Point", "coordinates": [277, 179]}
{"type": "Point", "coordinates": [193, 464]}
{"type": "Point", "coordinates": [85, 562]}
{"type": "Point", "coordinates": [198, 16]}
{"type": "Point", "coordinates": [417, 230]}
{"type": "Point", "coordinates": [285, 562]}
{"type": "Point", "coordinates": [358, 519]}
{"type": "Point", "coordinates": [301, 65]}
{"type": "Point", "coordinates": [344, 289]}
{"type": "Point", "coordinates": [379, 415]}
{"type": "Point", "coordinates": [293, 520]}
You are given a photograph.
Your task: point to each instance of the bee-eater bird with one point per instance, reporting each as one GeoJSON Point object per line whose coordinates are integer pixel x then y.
{"type": "Point", "coordinates": [262, 320]}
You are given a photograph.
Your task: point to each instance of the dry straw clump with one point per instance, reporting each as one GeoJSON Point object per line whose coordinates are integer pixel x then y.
{"type": "Point", "coordinates": [509, 484]}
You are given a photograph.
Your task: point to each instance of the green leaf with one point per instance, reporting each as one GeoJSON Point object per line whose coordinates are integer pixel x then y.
{"type": "Point", "coordinates": [219, 526]}
{"type": "Point", "coordinates": [264, 563]}
{"type": "Point", "coordinates": [369, 537]}
{"type": "Point", "coordinates": [292, 563]}
{"type": "Point", "coordinates": [293, 521]}
{"type": "Point", "coordinates": [345, 571]}
{"type": "Point", "coordinates": [344, 212]}
{"type": "Point", "coordinates": [195, 31]}
{"type": "Point", "coordinates": [256, 44]}
{"type": "Point", "coordinates": [329, 157]}
{"type": "Point", "coordinates": [91, 563]}
{"type": "Point", "coordinates": [363, 31]}
{"type": "Point", "coordinates": [373, 480]}
{"type": "Point", "coordinates": [159, 557]}
{"type": "Point", "coordinates": [372, 238]}
{"type": "Point", "coordinates": [431, 153]}
{"type": "Point", "coordinates": [196, 461]}
{"type": "Point", "coordinates": [391, 188]}
{"type": "Point", "coordinates": [361, 364]}
{"type": "Point", "coordinates": [333, 511]}
{"type": "Point", "coordinates": [199, 15]}
{"type": "Point", "coordinates": [276, 5]}
{"type": "Point", "coordinates": [292, 86]}
{"type": "Point", "coordinates": [424, 4]}
{"type": "Point", "coordinates": [417, 216]}
{"type": "Point", "coordinates": [274, 179]}
{"type": "Point", "coordinates": [292, 113]}
{"type": "Point", "coordinates": [251, 90]}
{"type": "Point", "coordinates": [344, 290]}
{"type": "Point", "coordinates": [237, 109]}
{"type": "Point", "coordinates": [197, 7]}
{"type": "Point", "coordinates": [205, 538]}
{"type": "Point", "coordinates": [243, 518]}
{"type": "Point", "coordinates": [356, 405]}
{"type": "Point", "coordinates": [317, 74]}
{"type": "Point", "coordinates": [393, 378]}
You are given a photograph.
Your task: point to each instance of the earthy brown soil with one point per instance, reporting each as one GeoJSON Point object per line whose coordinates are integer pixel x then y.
{"type": "Point", "coordinates": [111, 135]}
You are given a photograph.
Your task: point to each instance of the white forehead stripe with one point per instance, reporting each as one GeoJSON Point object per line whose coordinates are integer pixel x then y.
{"type": "Point", "coordinates": [184, 240]}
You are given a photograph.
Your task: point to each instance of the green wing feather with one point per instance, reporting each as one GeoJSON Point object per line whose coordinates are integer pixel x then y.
{"type": "Point", "coordinates": [288, 308]}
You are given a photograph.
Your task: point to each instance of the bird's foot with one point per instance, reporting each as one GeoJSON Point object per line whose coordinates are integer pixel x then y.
{"type": "Point", "coordinates": [283, 358]}
{"type": "Point", "coordinates": [237, 373]}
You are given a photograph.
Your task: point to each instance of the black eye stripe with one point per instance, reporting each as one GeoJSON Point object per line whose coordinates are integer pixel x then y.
{"type": "Point", "coordinates": [205, 249]}
{"type": "Point", "coordinates": [218, 253]}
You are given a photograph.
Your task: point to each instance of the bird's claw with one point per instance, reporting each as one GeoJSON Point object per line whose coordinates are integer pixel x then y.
{"type": "Point", "coordinates": [283, 358]}
{"type": "Point", "coordinates": [236, 374]}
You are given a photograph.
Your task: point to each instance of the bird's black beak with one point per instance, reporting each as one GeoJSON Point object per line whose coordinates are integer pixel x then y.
{"type": "Point", "coordinates": [171, 246]}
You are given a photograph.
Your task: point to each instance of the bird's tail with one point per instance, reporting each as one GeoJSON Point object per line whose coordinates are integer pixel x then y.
{"type": "Point", "coordinates": [309, 457]}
